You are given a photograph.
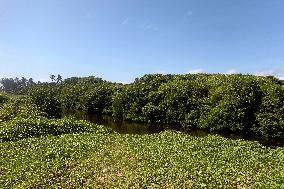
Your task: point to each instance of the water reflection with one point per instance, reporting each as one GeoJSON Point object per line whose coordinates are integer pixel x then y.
{"type": "Point", "coordinates": [125, 127]}
{"type": "Point", "coordinates": [131, 127]}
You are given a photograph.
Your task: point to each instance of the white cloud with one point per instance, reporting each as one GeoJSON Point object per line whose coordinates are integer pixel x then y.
{"type": "Point", "coordinates": [232, 71]}
{"type": "Point", "coordinates": [148, 27]}
{"type": "Point", "coordinates": [123, 82]}
{"type": "Point", "coordinates": [265, 73]}
{"type": "Point", "coordinates": [195, 71]}
{"type": "Point", "coordinates": [125, 21]}
{"type": "Point", "coordinates": [279, 73]}
{"type": "Point", "coordinates": [160, 72]}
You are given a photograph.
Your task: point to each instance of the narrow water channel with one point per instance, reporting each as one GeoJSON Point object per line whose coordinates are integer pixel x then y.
{"type": "Point", "coordinates": [132, 127]}
{"type": "Point", "coordinates": [125, 127]}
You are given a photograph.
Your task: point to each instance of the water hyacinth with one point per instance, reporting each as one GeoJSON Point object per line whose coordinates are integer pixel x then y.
{"type": "Point", "coordinates": [39, 151]}
{"type": "Point", "coordinates": [20, 128]}
{"type": "Point", "coordinates": [163, 160]}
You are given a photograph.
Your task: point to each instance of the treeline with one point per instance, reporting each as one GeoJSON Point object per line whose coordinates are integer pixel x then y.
{"type": "Point", "coordinates": [216, 102]}
{"type": "Point", "coordinates": [15, 85]}
{"type": "Point", "coordinates": [20, 86]}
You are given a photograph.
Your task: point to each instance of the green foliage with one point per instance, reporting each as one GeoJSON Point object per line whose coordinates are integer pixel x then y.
{"type": "Point", "coordinates": [33, 155]}
{"type": "Point", "coordinates": [45, 97]}
{"type": "Point", "coordinates": [175, 101]}
{"type": "Point", "coordinates": [18, 107]}
{"type": "Point", "coordinates": [97, 99]}
{"type": "Point", "coordinates": [270, 117]}
{"type": "Point", "coordinates": [70, 97]}
{"type": "Point", "coordinates": [164, 160]}
{"type": "Point", "coordinates": [3, 98]}
{"type": "Point", "coordinates": [86, 80]}
{"type": "Point", "coordinates": [234, 103]}
{"type": "Point", "coordinates": [129, 100]}
{"type": "Point", "coordinates": [15, 85]}
{"type": "Point", "coordinates": [88, 97]}
{"type": "Point", "coordinates": [231, 104]}
{"type": "Point", "coordinates": [20, 128]}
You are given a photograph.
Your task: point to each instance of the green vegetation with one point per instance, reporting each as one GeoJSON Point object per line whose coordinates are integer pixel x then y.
{"type": "Point", "coordinates": [20, 128]}
{"type": "Point", "coordinates": [41, 148]}
{"type": "Point", "coordinates": [225, 103]}
{"type": "Point", "coordinates": [16, 86]}
{"type": "Point", "coordinates": [242, 104]}
{"type": "Point", "coordinates": [3, 98]}
{"type": "Point", "coordinates": [165, 160]}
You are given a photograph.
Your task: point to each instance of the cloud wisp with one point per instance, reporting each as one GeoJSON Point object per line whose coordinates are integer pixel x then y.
{"type": "Point", "coordinates": [148, 27]}
{"type": "Point", "coordinates": [195, 71]}
{"type": "Point", "coordinates": [232, 71]}
{"type": "Point", "coordinates": [278, 72]}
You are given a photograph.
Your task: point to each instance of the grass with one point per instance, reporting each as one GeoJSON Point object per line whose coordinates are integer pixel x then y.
{"type": "Point", "coordinates": [13, 96]}
{"type": "Point", "coordinates": [164, 160]}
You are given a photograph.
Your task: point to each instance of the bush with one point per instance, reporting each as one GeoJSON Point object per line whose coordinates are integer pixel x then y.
{"type": "Point", "coordinates": [19, 107]}
{"type": "Point", "coordinates": [232, 103]}
{"type": "Point", "coordinates": [270, 118]}
{"type": "Point", "coordinates": [90, 98]}
{"type": "Point", "coordinates": [228, 103]}
{"type": "Point", "coordinates": [45, 97]}
{"type": "Point", "coordinates": [174, 101]}
{"type": "Point", "coordinates": [3, 98]}
{"type": "Point", "coordinates": [98, 98]}
{"type": "Point", "coordinates": [20, 128]}
{"type": "Point", "coordinates": [130, 99]}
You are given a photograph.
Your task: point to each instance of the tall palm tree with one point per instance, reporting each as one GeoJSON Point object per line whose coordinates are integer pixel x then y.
{"type": "Point", "coordinates": [24, 81]}
{"type": "Point", "coordinates": [52, 77]}
{"type": "Point", "coordinates": [59, 79]}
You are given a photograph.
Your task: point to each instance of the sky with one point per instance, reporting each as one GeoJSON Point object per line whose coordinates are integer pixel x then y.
{"type": "Point", "coordinates": [120, 40]}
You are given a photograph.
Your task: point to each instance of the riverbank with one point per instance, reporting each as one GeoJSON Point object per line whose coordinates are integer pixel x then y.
{"type": "Point", "coordinates": [169, 159]}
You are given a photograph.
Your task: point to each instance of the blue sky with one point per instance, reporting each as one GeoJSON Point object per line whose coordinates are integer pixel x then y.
{"type": "Point", "coordinates": [119, 40]}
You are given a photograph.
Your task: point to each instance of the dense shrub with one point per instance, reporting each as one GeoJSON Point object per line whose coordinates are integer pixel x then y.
{"type": "Point", "coordinates": [98, 98]}
{"type": "Point", "coordinates": [216, 102]}
{"type": "Point", "coordinates": [129, 100]}
{"type": "Point", "coordinates": [20, 128]}
{"type": "Point", "coordinates": [232, 103]}
{"type": "Point", "coordinates": [45, 97]}
{"type": "Point", "coordinates": [87, 97]}
{"type": "Point", "coordinates": [174, 102]}
{"type": "Point", "coordinates": [3, 98]}
{"type": "Point", "coordinates": [235, 103]}
{"type": "Point", "coordinates": [270, 117]}
{"type": "Point", "coordinates": [70, 97]}
{"type": "Point", "coordinates": [86, 80]}
{"type": "Point", "coordinates": [18, 107]}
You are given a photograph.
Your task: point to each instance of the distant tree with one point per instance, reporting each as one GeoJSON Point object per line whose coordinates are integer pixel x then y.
{"type": "Point", "coordinates": [8, 85]}
{"type": "Point", "coordinates": [15, 85]}
{"type": "Point", "coordinates": [23, 83]}
{"type": "Point", "coordinates": [17, 80]}
{"type": "Point", "coordinates": [71, 80]}
{"type": "Point", "coordinates": [59, 79]}
{"type": "Point", "coordinates": [52, 77]}
{"type": "Point", "coordinates": [31, 82]}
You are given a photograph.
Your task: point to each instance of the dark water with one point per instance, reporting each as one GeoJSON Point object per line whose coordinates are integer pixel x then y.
{"type": "Point", "coordinates": [125, 127]}
{"type": "Point", "coordinates": [131, 127]}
